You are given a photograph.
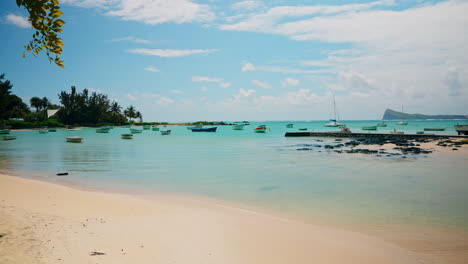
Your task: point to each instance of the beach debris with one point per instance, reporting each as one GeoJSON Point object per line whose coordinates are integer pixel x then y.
{"type": "Point", "coordinates": [96, 253]}
{"type": "Point", "coordinates": [62, 173]}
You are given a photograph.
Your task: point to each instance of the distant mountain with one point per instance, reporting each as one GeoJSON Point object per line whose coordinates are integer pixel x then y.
{"type": "Point", "coordinates": [395, 115]}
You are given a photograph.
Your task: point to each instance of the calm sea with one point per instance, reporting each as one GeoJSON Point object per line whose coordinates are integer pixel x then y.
{"type": "Point", "coordinates": [261, 170]}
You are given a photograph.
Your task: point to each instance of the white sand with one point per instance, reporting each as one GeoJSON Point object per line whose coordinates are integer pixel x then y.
{"type": "Point", "coordinates": [47, 223]}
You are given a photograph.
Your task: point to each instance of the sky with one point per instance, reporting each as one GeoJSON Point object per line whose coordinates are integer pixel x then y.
{"type": "Point", "coordinates": [182, 60]}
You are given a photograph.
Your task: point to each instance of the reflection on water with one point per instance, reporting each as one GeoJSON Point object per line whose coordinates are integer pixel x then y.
{"type": "Point", "coordinates": [257, 169]}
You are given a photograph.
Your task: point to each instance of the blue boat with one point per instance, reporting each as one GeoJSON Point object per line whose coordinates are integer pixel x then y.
{"type": "Point", "coordinates": [202, 129]}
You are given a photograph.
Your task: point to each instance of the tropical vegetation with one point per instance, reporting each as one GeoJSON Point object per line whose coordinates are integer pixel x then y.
{"type": "Point", "coordinates": [75, 108]}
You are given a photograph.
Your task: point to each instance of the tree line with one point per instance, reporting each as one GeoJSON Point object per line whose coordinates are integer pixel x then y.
{"type": "Point", "coordinates": [75, 108]}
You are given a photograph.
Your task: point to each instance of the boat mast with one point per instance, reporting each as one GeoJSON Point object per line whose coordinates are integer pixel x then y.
{"type": "Point", "coordinates": [334, 107]}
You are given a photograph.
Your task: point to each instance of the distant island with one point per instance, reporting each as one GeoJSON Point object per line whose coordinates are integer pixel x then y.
{"type": "Point", "coordinates": [395, 115]}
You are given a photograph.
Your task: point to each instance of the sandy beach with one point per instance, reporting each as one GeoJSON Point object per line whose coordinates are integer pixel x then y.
{"type": "Point", "coordinates": [46, 223]}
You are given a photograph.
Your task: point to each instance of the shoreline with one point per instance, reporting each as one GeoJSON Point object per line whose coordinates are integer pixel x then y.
{"type": "Point", "coordinates": [67, 224]}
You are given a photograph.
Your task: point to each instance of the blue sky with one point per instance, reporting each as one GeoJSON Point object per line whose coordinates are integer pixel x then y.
{"type": "Point", "coordinates": [181, 60]}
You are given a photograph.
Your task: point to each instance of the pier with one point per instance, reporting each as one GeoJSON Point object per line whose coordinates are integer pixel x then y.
{"type": "Point", "coordinates": [369, 135]}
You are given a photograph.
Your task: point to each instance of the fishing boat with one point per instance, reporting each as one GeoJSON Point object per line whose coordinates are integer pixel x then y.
{"type": "Point", "coordinates": [369, 128]}
{"type": "Point", "coordinates": [146, 127]}
{"type": "Point", "coordinates": [434, 129]}
{"type": "Point", "coordinates": [289, 125]}
{"type": "Point", "coordinates": [260, 129]}
{"type": "Point", "coordinates": [333, 122]}
{"type": "Point", "coordinates": [43, 131]}
{"type": "Point", "coordinates": [238, 126]}
{"type": "Point", "coordinates": [135, 130]}
{"type": "Point", "coordinates": [165, 132]}
{"type": "Point", "coordinates": [4, 131]}
{"type": "Point", "coordinates": [402, 123]}
{"type": "Point", "coordinates": [195, 126]}
{"type": "Point", "coordinates": [202, 129]}
{"type": "Point", "coordinates": [74, 139]}
{"type": "Point", "coordinates": [155, 128]}
{"type": "Point", "coordinates": [303, 129]}
{"type": "Point", "coordinates": [8, 137]}
{"type": "Point", "coordinates": [52, 130]}
{"type": "Point", "coordinates": [127, 136]}
{"type": "Point", "coordinates": [103, 130]}
{"type": "Point", "coordinates": [382, 124]}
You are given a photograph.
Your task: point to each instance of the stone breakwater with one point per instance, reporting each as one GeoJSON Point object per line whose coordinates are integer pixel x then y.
{"type": "Point", "coordinates": [394, 146]}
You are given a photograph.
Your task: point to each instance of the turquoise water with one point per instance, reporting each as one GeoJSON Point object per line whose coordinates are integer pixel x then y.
{"type": "Point", "coordinates": [261, 170]}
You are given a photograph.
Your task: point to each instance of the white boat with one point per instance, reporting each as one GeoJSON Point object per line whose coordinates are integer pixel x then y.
{"type": "Point", "coordinates": [155, 128]}
{"type": "Point", "coordinates": [74, 139]}
{"type": "Point", "coordinates": [238, 126]}
{"type": "Point", "coordinates": [43, 131]}
{"type": "Point", "coordinates": [402, 123]}
{"type": "Point", "coordinates": [333, 122]}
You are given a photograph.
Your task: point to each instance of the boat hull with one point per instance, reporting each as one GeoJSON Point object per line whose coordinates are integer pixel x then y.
{"type": "Point", "coordinates": [74, 139]}
{"type": "Point", "coordinates": [200, 129]}
{"type": "Point", "coordinates": [8, 137]}
{"type": "Point", "coordinates": [166, 132]}
{"type": "Point", "coordinates": [369, 128]}
{"type": "Point", "coordinates": [238, 127]}
{"type": "Point", "coordinates": [127, 136]}
{"type": "Point", "coordinates": [434, 129]}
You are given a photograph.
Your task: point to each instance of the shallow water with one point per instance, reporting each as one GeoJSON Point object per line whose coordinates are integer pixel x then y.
{"type": "Point", "coordinates": [261, 170]}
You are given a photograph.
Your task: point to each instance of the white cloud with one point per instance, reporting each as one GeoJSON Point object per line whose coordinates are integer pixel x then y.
{"type": "Point", "coordinates": [204, 89]}
{"type": "Point", "coordinates": [161, 11]}
{"type": "Point", "coordinates": [94, 90]}
{"type": "Point", "coordinates": [132, 39]}
{"type": "Point", "coordinates": [170, 52]}
{"type": "Point", "coordinates": [176, 91]}
{"type": "Point", "coordinates": [131, 97]}
{"type": "Point", "coordinates": [247, 5]}
{"type": "Point", "coordinates": [164, 101]}
{"type": "Point", "coordinates": [206, 79]}
{"type": "Point", "coordinates": [89, 3]}
{"type": "Point", "coordinates": [248, 67]}
{"type": "Point", "coordinates": [290, 82]}
{"type": "Point", "coordinates": [19, 21]}
{"type": "Point", "coordinates": [151, 68]}
{"type": "Point", "coordinates": [225, 84]}
{"type": "Point", "coordinates": [267, 21]}
{"type": "Point", "coordinates": [261, 84]}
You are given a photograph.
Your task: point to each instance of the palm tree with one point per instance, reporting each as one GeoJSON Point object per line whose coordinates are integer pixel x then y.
{"type": "Point", "coordinates": [45, 102]}
{"type": "Point", "coordinates": [130, 113]}
{"type": "Point", "coordinates": [115, 107]}
{"type": "Point", "coordinates": [36, 102]}
{"type": "Point", "coordinates": [139, 116]}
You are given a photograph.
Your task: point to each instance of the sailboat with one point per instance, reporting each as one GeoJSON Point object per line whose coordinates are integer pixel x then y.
{"type": "Point", "coordinates": [333, 122]}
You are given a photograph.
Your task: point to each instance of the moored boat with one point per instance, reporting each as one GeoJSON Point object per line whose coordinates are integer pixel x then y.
{"type": "Point", "coordinates": [8, 137]}
{"type": "Point", "coordinates": [74, 139]}
{"type": "Point", "coordinates": [333, 122]}
{"type": "Point", "coordinates": [165, 132]}
{"type": "Point", "coordinates": [369, 128]}
{"type": "Point", "coordinates": [127, 136]}
{"type": "Point", "coordinates": [195, 126]}
{"type": "Point", "coordinates": [260, 129]}
{"type": "Point", "coordinates": [146, 127]}
{"type": "Point", "coordinates": [434, 129]}
{"type": "Point", "coordinates": [382, 124]}
{"type": "Point", "coordinates": [4, 131]}
{"type": "Point", "coordinates": [43, 131]}
{"type": "Point", "coordinates": [155, 128]}
{"type": "Point", "coordinates": [402, 123]}
{"type": "Point", "coordinates": [103, 130]}
{"type": "Point", "coordinates": [52, 130]}
{"type": "Point", "coordinates": [238, 126]}
{"type": "Point", "coordinates": [135, 130]}
{"type": "Point", "coordinates": [303, 129]}
{"type": "Point", "coordinates": [289, 125]}
{"type": "Point", "coordinates": [202, 129]}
